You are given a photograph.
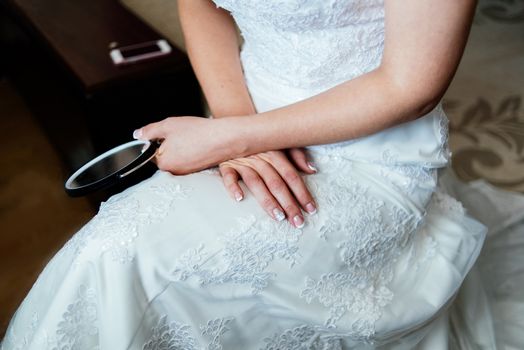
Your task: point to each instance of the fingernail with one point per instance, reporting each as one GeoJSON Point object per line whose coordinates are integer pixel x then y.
{"type": "Point", "coordinates": [278, 214]}
{"type": "Point", "coordinates": [238, 196]}
{"type": "Point", "coordinates": [299, 222]}
{"type": "Point", "coordinates": [310, 207]}
{"type": "Point", "coordinates": [311, 166]}
{"type": "Point", "coordinates": [137, 134]}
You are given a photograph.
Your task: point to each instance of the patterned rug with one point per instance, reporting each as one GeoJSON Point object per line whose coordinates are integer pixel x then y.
{"type": "Point", "coordinates": [485, 100]}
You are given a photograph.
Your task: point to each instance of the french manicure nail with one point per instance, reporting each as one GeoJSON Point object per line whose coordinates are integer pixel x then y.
{"type": "Point", "coordinates": [311, 166]}
{"type": "Point", "coordinates": [137, 134]}
{"type": "Point", "coordinates": [238, 196]}
{"type": "Point", "coordinates": [310, 207]}
{"type": "Point", "coordinates": [299, 222]}
{"type": "Point", "coordinates": [278, 214]}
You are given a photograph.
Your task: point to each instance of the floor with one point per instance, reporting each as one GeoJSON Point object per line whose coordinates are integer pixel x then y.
{"type": "Point", "coordinates": [36, 215]}
{"type": "Point", "coordinates": [484, 104]}
{"type": "Point", "coordinates": [485, 100]}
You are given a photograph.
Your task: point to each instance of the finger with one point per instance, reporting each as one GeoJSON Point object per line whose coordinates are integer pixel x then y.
{"type": "Point", "coordinates": [161, 161]}
{"type": "Point", "coordinates": [278, 188]}
{"type": "Point", "coordinates": [257, 187]}
{"type": "Point", "coordinates": [153, 131]}
{"type": "Point", "coordinates": [300, 159]}
{"type": "Point", "coordinates": [230, 178]}
{"type": "Point", "coordinates": [294, 182]}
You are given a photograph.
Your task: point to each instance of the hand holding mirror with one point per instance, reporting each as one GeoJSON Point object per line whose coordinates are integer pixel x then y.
{"type": "Point", "coordinates": [111, 167]}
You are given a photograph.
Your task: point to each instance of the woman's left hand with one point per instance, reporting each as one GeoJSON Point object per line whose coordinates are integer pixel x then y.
{"type": "Point", "coordinates": [274, 180]}
{"type": "Point", "coordinates": [189, 144]}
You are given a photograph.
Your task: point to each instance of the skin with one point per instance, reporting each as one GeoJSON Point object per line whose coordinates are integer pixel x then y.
{"type": "Point", "coordinates": [424, 41]}
{"type": "Point", "coordinates": [272, 177]}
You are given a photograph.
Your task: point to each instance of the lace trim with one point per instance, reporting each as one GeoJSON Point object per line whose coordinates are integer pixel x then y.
{"type": "Point", "coordinates": [443, 123]}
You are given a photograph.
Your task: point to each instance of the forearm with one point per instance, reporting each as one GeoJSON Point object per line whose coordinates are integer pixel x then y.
{"type": "Point", "coordinates": [213, 49]}
{"type": "Point", "coordinates": [424, 42]}
{"type": "Point", "coordinates": [356, 108]}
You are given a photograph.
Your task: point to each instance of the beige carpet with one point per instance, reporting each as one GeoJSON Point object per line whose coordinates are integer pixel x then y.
{"type": "Point", "coordinates": [485, 101]}
{"type": "Point", "coordinates": [484, 104]}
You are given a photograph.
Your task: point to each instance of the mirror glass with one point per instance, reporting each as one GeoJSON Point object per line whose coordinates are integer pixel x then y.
{"type": "Point", "coordinates": [113, 163]}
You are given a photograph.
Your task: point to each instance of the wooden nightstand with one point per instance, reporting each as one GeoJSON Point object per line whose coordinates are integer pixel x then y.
{"type": "Point", "coordinates": [56, 54]}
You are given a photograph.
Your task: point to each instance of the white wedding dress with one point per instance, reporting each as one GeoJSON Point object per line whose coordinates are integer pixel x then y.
{"type": "Point", "coordinates": [389, 261]}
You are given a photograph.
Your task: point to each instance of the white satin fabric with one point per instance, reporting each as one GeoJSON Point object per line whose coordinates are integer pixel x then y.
{"type": "Point", "coordinates": [174, 263]}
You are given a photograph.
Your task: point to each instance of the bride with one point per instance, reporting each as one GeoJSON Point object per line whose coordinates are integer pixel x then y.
{"type": "Point", "coordinates": [342, 234]}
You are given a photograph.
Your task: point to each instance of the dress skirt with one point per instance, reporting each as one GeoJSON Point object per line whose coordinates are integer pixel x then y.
{"type": "Point", "coordinates": [175, 263]}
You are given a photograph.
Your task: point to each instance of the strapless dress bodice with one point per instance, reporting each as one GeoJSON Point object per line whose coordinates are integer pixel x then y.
{"type": "Point", "coordinates": [295, 49]}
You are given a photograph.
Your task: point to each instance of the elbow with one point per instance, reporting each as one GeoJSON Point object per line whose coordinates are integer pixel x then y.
{"type": "Point", "coordinates": [419, 100]}
{"type": "Point", "coordinates": [424, 105]}
{"type": "Point", "coordinates": [417, 95]}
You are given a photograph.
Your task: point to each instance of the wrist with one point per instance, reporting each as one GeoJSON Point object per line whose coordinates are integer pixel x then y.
{"type": "Point", "coordinates": [233, 140]}
{"type": "Point", "coordinates": [228, 110]}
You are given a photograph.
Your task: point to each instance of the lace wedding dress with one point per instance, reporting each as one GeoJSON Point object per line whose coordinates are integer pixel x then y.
{"type": "Point", "coordinates": [389, 261]}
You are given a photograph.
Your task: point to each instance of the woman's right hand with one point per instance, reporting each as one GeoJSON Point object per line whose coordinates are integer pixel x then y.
{"type": "Point", "coordinates": [274, 180]}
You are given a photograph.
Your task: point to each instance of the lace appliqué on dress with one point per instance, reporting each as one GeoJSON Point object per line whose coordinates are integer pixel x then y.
{"type": "Point", "coordinates": [405, 177]}
{"type": "Point", "coordinates": [21, 342]}
{"type": "Point", "coordinates": [327, 39]}
{"type": "Point", "coordinates": [372, 235]}
{"type": "Point", "coordinates": [170, 336]}
{"type": "Point", "coordinates": [120, 219]}
{"type": "Point", "coordinates": [247, 251]}
{"type": "Point", "coordinates": [78, 328]}
{"type": "Point", "coordinates": [448, 205]}
{"type": "Point", "coordinates": [215, 329]}
{"type": "Point", "coordinates": [443, 127]}
{"type": "Point", "coordinates": [302, 338]}
{"type": "Point", "coordinates": [177, 336]}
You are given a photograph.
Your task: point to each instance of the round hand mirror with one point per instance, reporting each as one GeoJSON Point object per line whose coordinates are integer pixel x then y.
{"type": "Point", "coordinates": [110, 167]}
